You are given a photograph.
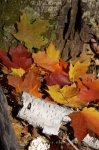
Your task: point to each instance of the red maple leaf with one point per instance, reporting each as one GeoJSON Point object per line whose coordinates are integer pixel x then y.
{"type": "Point", "coordinates": [60, 78]}
{"type": "Point", "coordinates": [18, 57]}
{"type": "Point", "coordinates": [60, 75]}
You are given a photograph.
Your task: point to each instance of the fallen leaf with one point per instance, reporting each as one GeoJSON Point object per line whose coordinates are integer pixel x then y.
{"type": "Point", "coordinates": [61, 66]}
{"type": "Point", "coordinates": [31, 33]}
{"type": "Point", "coordinates": [68, 95]}
{"type": "Point", "coordinates": [18, 128]}
{"type": "Point", "coordinates": [91, 116]}
{"type": "Point", "coordinates": [85, 121]}
{"type": "Point", "coordinates": [5, 70]}
{"type": "Point", "coordinates": [52, 52]}
{"type": "Point", "coordinates": [18, 57]}
{"type": "Point", "coordinates": [30, 83]}
{"type": "Point", "coordinates": [4, 59]}
{"type": "Point", "coordinates": [79, 125]}
{"type": "Point", "coordinates": [47, 59]}
{"type": "Point", "coordinates": [85, 56]}
{"type": "Point", "coordinates": [89, 89]}
{"type": "Point", "coordinates": [60, 74]}
{"type": "Point", "coordinates": [17, 72]}
{"type": "Point", "coordinates": [60, 78]}
{"type": "Point", "coordinates": [78, 70]}
{"type": "Point", "coordinates": [64, 64]}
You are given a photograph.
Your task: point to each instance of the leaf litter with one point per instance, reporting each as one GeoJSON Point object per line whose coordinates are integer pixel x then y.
{"type": "Point", "coordinates": [65, 95]}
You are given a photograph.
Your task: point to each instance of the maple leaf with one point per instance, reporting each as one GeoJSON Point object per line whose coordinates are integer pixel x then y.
{"type": "Point", "coordinates": [30, 83]}
{"type": "Point", "coordinates": [60, 78]}
{"type": "Point", "coordinates": [85, 57]}
{"type": "Point", "coordinates": [52, 52]}
{"type": "Point", "coordinates": [84, 121]}
{"type": "Point", "coordinates": [89, 89]}
{"type": "Point", "coordinates": [4, 59]}
{"type": "Point", "coordinates": [31, 33]}
{"type": "Point", "coordinates": [78, 70]}
{"type": "Point", "coordinates": [17, 72]}
{"type": "Point", "coordinates": [47, 59]}
{"type": "Point", "coordinates": [17, 58]}
{"type": "Point", "coordinates": [68, 95]}
{"type": "Point", "coordinates": [63, 64]}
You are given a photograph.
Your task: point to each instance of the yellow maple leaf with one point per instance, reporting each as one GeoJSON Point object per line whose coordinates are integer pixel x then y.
{"type": "Point", "coordinates": [68, 95]}
{"type": "Point", "coordinates": [78, 70]}
{"type": "Point", "coordinates": [85, 57]}
{"type": "Point", "coordinates": [17, 72]}
{"type": "Point", "coordinates": [52, 52]}
{"type": "Point", "coordinates": [47, 59]}
{"type": "Point", "coordinates": [31, 33]}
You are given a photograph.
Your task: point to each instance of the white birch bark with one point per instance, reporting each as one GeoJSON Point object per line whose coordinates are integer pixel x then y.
{"type": "Point", "coordinates": [43, 114]}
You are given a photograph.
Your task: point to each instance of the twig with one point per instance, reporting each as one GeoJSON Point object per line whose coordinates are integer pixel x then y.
{"type": "Point", "coordinates": [70, 142]}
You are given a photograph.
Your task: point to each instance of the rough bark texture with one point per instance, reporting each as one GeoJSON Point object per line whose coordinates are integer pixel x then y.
{"type": "Point", "coordinates": [7, 137]}
{"type": "Point", "coordinates": [75, 19]}
{"type": "Point", "coordinates": [78, 18]}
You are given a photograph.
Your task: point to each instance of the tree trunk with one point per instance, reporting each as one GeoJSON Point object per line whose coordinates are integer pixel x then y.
{"type": "Point", "coordinates": [7, 137]}
{"type": "Point", "coordinates": [77, 19]}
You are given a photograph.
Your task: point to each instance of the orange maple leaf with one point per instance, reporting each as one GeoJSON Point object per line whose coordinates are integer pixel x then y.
{"type": "Point", "coordinates": [61, 66]}
{"type": "Point", "coordinates": [89, 89]}
{"type": "Point", "coordinates": [78, 124]}
{"type": "Point", "coordinates": [47, 59]}
{"type": "Point", "coordinates": [85, 121]}
{"type": "Point", "coordinates": [30, 83]}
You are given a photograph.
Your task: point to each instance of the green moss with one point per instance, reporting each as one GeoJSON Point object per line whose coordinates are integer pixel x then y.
{"type": "Point", "coordinates": [10, 11]}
